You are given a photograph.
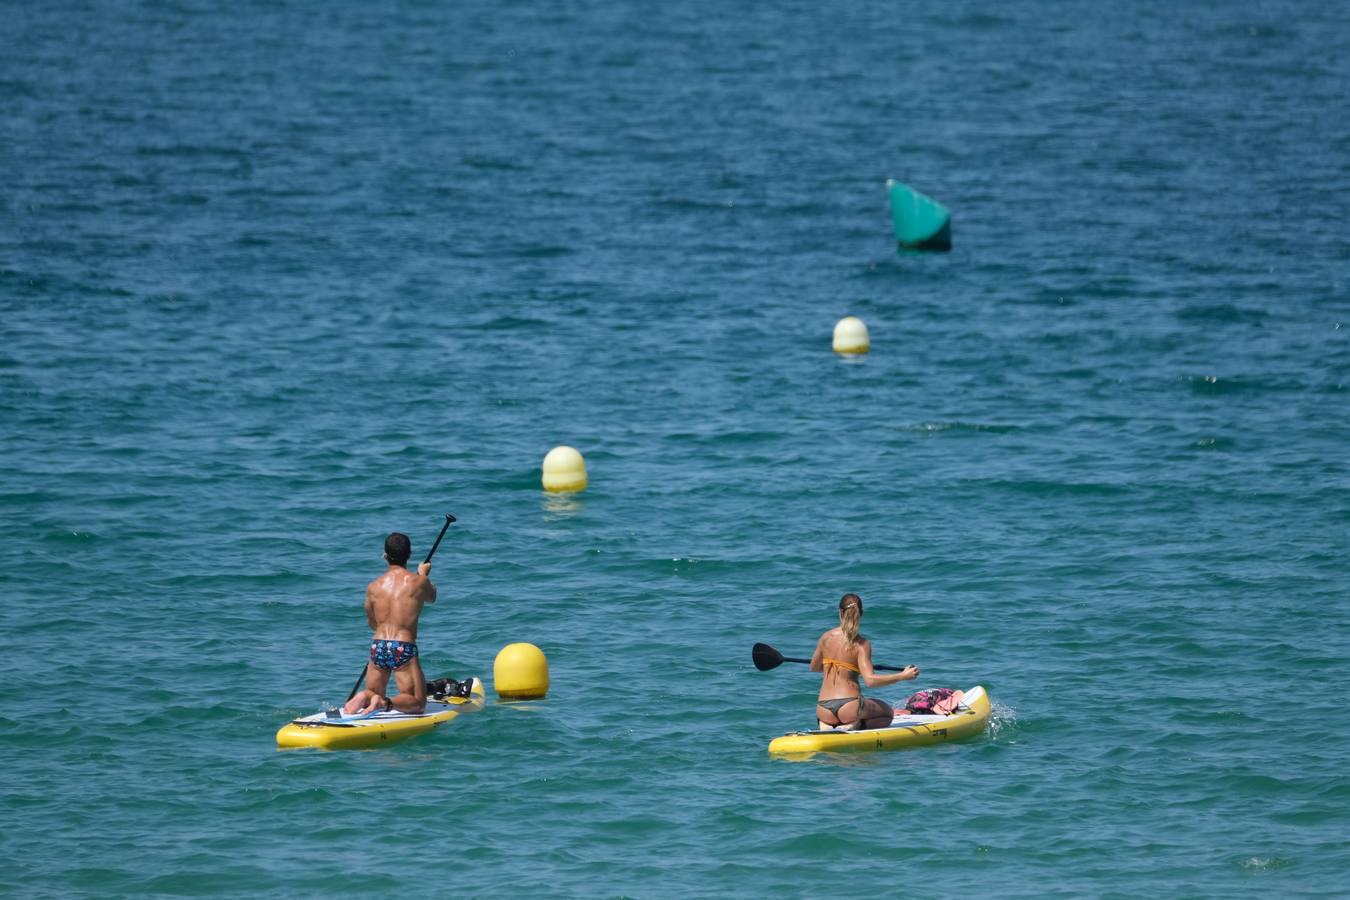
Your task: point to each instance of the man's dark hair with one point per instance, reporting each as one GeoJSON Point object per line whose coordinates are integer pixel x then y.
{"type": "Point", "coordinates": [397, 548]}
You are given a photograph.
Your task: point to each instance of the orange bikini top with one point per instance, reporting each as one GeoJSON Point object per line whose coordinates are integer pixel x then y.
{"type": "Point", "coordinates": [839, 664]}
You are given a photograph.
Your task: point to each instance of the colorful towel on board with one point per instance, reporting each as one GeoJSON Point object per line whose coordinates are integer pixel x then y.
{"type": "Point", "coordinates": [932, 702]}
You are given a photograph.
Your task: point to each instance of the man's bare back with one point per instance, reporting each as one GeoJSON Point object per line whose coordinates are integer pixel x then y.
{"type": "Point", "coordinates": [394, 602]}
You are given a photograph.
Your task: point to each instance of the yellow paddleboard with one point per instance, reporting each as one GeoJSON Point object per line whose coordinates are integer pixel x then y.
{"type": "Point", "coordinates": [332, 731]}
{"type": "Point", "coordinates": [971, 718]}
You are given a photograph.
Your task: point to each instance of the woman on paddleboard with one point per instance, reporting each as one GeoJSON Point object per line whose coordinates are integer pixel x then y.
{"type": "Point", "coordinates": [844, 655]}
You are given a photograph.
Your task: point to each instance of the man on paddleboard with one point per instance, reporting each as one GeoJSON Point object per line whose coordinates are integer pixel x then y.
{"type": "Point", "coordinates": [393, 605]}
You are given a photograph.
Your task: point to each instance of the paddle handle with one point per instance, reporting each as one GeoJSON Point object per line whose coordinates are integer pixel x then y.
{"type": "Point", "coordinates": [432, 552]}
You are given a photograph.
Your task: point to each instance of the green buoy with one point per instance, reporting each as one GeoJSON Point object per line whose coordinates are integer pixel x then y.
{"type": "Point", "coordinates": [921, 223]}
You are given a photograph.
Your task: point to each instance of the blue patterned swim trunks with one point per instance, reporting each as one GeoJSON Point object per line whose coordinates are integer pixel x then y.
{"type": "Point", "coordinates": [392, 654]}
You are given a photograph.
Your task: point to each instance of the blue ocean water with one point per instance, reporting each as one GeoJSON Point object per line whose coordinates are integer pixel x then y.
{"type": "Point", "coordinates": [279, 278]}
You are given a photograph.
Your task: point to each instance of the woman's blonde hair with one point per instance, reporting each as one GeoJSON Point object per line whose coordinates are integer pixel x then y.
{"type": "Point", "coordinates": [850, 611]}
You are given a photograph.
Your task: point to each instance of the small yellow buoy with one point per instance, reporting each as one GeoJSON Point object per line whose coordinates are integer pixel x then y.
{"type": "Point", "coordinates": [564, 470]}
{"type": "Point", "coordinates": [520, 672]}
{"type": "Point", "coordinates": [850, 336]}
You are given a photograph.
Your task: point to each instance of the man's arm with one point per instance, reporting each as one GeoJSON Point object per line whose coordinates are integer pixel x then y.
{"type": "Point", "coordinates": [428, 589]}
{"type": "Point", "coordinates": [370, 609]}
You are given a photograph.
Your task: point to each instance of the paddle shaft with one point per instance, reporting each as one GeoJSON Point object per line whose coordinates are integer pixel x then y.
{"type": "Point", "coordinates": [882, 668]}
{"type": "Point", "coordinates": [767, 657]}
{"type": "Point", "coordinates": [444, 528]}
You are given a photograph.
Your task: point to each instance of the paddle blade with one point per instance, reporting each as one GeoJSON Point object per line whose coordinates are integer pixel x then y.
{"type": "Point", "coordinates": [766, 657]}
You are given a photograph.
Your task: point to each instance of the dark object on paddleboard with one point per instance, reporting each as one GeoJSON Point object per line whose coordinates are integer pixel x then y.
{"type": "Point", "coordinates": [444, 688]}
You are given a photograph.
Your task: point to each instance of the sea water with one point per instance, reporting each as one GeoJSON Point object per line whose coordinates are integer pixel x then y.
{"type": "Point", "coordinates": [277, 279]}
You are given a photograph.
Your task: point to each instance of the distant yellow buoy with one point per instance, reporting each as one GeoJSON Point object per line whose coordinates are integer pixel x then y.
{"type": "Point", "coordinates": [564, 470]}
{"type": "Point", "coordinates": [850, 336]}
{"type": "Point", "coordinates": [520, 672]}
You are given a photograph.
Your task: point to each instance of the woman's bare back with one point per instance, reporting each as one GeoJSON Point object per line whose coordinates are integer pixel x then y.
{"type": "Point", "coordinates": [840, 680]}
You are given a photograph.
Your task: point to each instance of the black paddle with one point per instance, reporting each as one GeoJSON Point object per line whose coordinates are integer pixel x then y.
{"type": "Point", "coordinates": [767, 658]}
{"type": "Point", "coordinates": [448, 520]}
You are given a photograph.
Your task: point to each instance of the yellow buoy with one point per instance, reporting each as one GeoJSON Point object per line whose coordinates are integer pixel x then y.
{"type": "Point", "coordinates": [520, 672]}
{"type": "Point", "coordinates": [564, 470]}
{"type": "Point", "coordinates": [850, 336]}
